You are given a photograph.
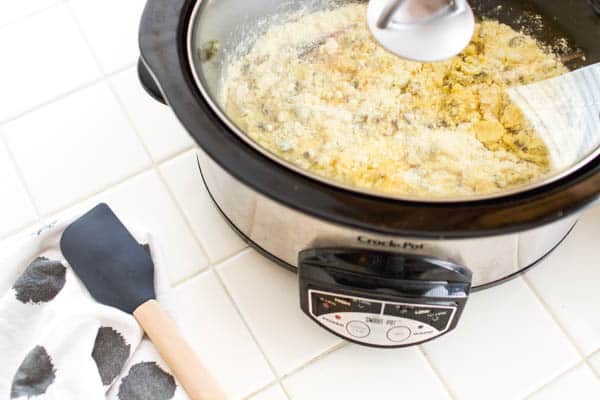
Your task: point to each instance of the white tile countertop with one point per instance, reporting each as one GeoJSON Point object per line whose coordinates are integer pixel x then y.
{"type": "Point", "coordinates": [76, 128]}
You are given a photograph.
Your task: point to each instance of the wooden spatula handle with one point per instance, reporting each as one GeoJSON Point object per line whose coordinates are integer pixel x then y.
{"type": "Point", "coordinates": [177, 353]}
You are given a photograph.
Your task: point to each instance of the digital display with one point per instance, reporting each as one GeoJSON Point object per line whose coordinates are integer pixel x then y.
{"type": "Point", "coordinates": [327, 304]}
{"type": "Point", "coordinates": [433, 316]}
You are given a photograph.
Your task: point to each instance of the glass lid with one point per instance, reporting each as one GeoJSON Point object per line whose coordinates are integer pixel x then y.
{"type": "Point", "coordinates": [306, 84]}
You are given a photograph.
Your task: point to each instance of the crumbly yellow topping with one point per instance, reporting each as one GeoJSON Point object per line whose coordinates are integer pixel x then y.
{"type": "Point", "coordinates": [322, 94]}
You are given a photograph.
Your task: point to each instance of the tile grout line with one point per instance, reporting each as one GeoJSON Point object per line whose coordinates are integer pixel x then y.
{"type": "Point", "coordinates": [245, 322]}
{"type": "Point", "coordinates": [517, 257]}
{"type": "Point", "coordinates": [156, 168]}
{"type": "Point", "coordinates": [558, 377]}
{"type": "Point", "coordinates": [105, 78]}
{"type": "Point", "coordinates": [32, 14]}
{"type": "Point", "coordinates": [572, 341]}
{"type": "Point", "coordinates": [308, 363]}
{"type": "Point", "coordinates": [597, 352]}
{"type": "Point", "coordinates": [580, 352]}
{"type": "Point", "coordinates": [211, 266]}
{"type": "Point", "coordinates": [63, 95]}
{"type": "Point", "coordinates": [212, 269]}
{"type": "Point", "coordinates": [23, 229]}
{"type": "Point", "coordinates": [194, 149]}
{"type": "Point", "coordinates": [278, 377]}
{"type": "Point", "coordinates": [20, 175]}
{"type": "Point", "coordinates": [342, 344]}
{"type": "Point", "coordinates": [555, 319]}
{"type": "Point", "coordinates": [226, 258]}
{"type": "Point", "coordinates": [77, 201]}
{"type": "Point", "coordinates": [208, 268]}
{"type": "Point", "coordinates": [154, 165]}
{"type": "Point", "coordinates": [437, 373]}
{"type": "Point", "coordinates": [553, 379]}
{"type": "Point", "coordinates": [262, 389]}
{"type": "Point", "coordinates": [188, 223]}
{"type": "Point", "coordinates": [170, 157]}
{"type": "Point", "coordinates": [84, 198]}
{"type": "Point", "coordinates": [284, 389]}
{"type": "Point", "coordinates": [590, 366]}
{"type": "Point", "coordinates": [136, 173]}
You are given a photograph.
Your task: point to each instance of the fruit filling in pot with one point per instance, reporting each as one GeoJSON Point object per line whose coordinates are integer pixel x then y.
{"type": "Point", "coordinates": [319, 92]}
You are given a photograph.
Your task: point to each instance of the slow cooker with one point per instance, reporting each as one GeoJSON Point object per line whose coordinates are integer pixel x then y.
{"type": "Point", "coordinates": [375, 269]}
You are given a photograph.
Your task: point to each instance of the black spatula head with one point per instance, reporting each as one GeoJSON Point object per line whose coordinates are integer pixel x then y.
{"type": "Point", "coordinates": [115, 268]}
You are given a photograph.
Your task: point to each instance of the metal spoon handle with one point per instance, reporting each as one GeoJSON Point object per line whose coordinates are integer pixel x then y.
{"type": "Point", "coordinates": [388, 13]}
{"type": "Point", "coordinates": [417, 11]}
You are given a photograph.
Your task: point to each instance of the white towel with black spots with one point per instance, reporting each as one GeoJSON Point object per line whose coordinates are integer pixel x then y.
{"type": "Point", "coordinates": [56, 342]}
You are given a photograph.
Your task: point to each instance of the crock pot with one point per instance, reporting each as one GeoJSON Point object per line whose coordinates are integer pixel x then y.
{"type": "Point", "coordinates": [373, 269]}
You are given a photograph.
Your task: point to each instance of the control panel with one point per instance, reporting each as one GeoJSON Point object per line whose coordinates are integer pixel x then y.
{"type": "Point", "coordinates": [382, 299]}
{"type": "Point", "coordinates": [378, 323]}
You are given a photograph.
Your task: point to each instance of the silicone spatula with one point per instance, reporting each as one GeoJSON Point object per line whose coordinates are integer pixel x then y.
{"type": "Point", "coordinates": [563, 111]}
{"type": "Point", "coordinates": [119, 272]}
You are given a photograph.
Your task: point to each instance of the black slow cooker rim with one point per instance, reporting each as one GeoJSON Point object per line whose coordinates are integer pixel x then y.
{"type": "Point", "coordinates": [163, 48]}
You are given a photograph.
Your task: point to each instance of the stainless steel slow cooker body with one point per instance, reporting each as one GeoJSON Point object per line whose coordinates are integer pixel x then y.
{"type": "Point", "coordinates": [289, 216]}
{"type": "Point", "coordinates": [281, 233]}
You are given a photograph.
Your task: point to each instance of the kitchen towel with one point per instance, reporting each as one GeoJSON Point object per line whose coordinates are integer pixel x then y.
{"type": "Point", "coordinates": [56, 342]}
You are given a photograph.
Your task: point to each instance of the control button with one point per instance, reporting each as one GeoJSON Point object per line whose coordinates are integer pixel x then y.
{"type": "Point", "coordinates": [398, 334]}
{"type": "Point", "coordinates": [358, 329]}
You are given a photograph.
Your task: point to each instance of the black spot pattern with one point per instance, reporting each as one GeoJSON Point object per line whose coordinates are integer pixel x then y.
{"type": "Point", "coordinates": [146, 381]}
{"type": "Point", "coordinates": [41, 282]}
{"type": "Point", "coordinates": [35, 374]}
{"type": "Point", "coordinates": [110, 353]}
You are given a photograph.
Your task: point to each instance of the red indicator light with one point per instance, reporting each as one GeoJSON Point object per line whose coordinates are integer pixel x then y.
{"type": "Point", "coordinates": [337, 316]}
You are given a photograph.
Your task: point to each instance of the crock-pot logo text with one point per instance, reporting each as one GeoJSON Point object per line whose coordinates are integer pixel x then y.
{"type": "Point", "coordinates": [391, 243]}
